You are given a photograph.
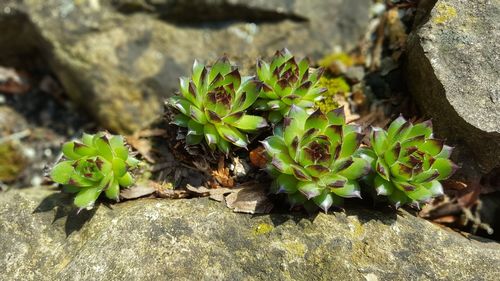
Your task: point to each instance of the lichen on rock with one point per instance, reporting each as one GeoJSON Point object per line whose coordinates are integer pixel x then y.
{"type": "Point", "coordinates": [41, 239]}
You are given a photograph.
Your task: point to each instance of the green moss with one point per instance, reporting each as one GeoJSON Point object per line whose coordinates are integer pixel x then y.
{"type": "Point", "coordinates": [358, 229]}
{"type": "Point", "coordinates": [341, 57]}
{"type": "Point", "coordinates": [262, 228]}
{"type": "Point", "coordinates": [295, 248]}
{"type": "Point", "coordinates": [334, 86]}
{"type": "Point", "coordinates": [12, 162]}
{"type": "Point", "coordinates": [445, 13]}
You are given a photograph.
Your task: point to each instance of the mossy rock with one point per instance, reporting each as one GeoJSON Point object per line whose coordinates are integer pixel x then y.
{"type": "Point", "coordinates": [12, 161]}
{"type": "Point", "coordinates": [199, 239]}
{"type": "Point", "coordinates": [120, 59]}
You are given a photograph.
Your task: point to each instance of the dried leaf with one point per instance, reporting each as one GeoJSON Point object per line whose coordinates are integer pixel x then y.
{"type": "Point", "coordinates": [446, 220]}
{"type": "Point", "coordinates": [143, 146]}
{"type": "Point", "coordinates": [251, 199]}
{"type": "Point", "coordinates": [240, 167]}
{"type": "Point", "coordinates": [217, 197]}
{"type": "Point", "coordinates": [469, 199]}
{"type": "Point", "coordinates": [258, 157]}
{"type": "Point", "coordinates": [440, 207]}
{"type": "Point", "coordinates": [375, 118]}
{"type": "Point", "coordinates": [172, 193]}
{"type": "Point", "coordinates": [222, 176]}
{"type": "Point", "coordinates": [213, 193]}
{"type": "Point", "coordinates": [13, 82]}
{"type": "Point", "coordinates": [465, 193]}
{"type": "Point", "coordinates": [454, 185]}
{"type": "Point", "coordinates": [137, 191]}
{"type": "Point", "coordinates": [350, 116]}
{"type": "Point", "coordinates": [151, 133]}
{"type": "Point", "coordinates": [379, 42]}
{"type": "Point", "coordinates": [459, 207]}
{"type": "Point", "coordinates": [203, 166]}
{"type": "Point", "coordinates": [198, 191]}
{"type": "Point", "coordinates": [396, 30]}
{"type": "Point", "coordinates": [166, 191]}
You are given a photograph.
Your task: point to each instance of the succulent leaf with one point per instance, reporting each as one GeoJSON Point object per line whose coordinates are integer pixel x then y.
{"type": "Point", "coordinates": [250, 123]}
{"type": "Point", "coordinates": [444, 167]}
{"type": "Point", "coordinates": [395, 127]}
{"type": "Point", "coordinates": [62, 172]}
{"type": "Point", "coordinates": [180, 104]}
{"type": "Point", "coordinates": [274, 145]}
{"type": "Point", "coordinates": [324, 200]}
{"type": "Point", "coordinates": [195, 128]}
{"type": "Point", "coordinates": [349, 190]}
{"type": "Point", "coordinates": [286, 184]}
{"type": "Point", "coordinates": [336, 116]}
{"type": "Point", "coordinates": [359, 168]}
{"type": "Point", "coordinates": [113, 190]}
{"type": "Point", "coordinates": [181, 120]}
{"type": "Point", "coordinates": [309, 189]}
{"type": "Point", "coordinates": [193, 139]}
{"type": "Point", "coordinates": [382, 186]}
{"type": "Point", "coordinates": [434, 187]}
{"type": "Point", "coordinates": [86, 197]}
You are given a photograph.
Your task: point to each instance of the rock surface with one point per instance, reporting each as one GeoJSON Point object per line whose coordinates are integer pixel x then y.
{"type": "Point", "coordinates": [453, 71]}
{"type": "Point", "coordinates": [199, 239]}
{"type": "Point", "coordinates": [120, 59]}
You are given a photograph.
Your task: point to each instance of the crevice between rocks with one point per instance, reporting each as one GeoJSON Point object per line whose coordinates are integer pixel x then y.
{"type": "Point", "coordinates": [200, 12]}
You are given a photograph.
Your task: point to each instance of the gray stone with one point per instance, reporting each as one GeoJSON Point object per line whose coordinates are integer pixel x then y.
{"type": "Point", "coordinates": [199, 239]}
{"type": "Point", "coordinates": [120, 59]}
{"type": "Point", "coordinates": [453, 71]}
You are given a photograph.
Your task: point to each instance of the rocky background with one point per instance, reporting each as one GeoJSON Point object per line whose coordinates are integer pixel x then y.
{"type": "Point", "coordinates": [68, 66]}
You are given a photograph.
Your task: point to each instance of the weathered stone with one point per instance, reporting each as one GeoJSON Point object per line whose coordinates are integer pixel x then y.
{"type": "Point", "coordinates": [120, 59]}
{"type": "Point", "coordinates": [453, 72]}
{"type": "Point", "coordinates": [199, 239]}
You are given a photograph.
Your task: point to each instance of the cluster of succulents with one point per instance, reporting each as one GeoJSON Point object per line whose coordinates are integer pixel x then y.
{"type": "Point", "coordinates": [98, 163]}
{"type": "Point", "coordinates": [409, 162]}
{"type": "Point", "coordinates": [315, 158]}
{"type": "Point", "coordinates": [213, 103]}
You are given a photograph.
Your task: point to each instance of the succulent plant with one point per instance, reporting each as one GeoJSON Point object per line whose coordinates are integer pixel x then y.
{"type": "Point", "coordinates": [97, 163]}
{"type": "Point", "coordinates": [315, 156]}
{"type": "Point", "coordinates": [213, 105]}
{"type": "Point", "coordinates": [286, 83]}
{"type": "Point", "coordinates": [409, 162]}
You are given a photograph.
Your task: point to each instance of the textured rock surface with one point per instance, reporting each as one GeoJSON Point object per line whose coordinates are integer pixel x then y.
{"type": "Point", "coordinates": [454, 73]}
{"type": "Point", "coordinates": [119, 59]}
{"type": "Point", "coordinates": [201, 240]}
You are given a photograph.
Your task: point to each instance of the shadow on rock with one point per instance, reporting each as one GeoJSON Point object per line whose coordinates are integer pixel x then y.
{"type": "Point", "coordinates": [62, 206]}
{"type": "Point", "coordinates": [279, 219]}
{"type": "Point", "coordinates": [360, 209]}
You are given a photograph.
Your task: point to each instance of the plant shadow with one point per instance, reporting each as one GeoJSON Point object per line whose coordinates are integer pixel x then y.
{"type": "Point", "coordinates": [363, 211]}
{"type": "Point", "coordinates": [62, 205]}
